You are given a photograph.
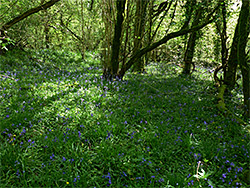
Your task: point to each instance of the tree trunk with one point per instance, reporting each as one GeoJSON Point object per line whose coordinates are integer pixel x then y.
{"type": "Point", "coordinates": [127, 31]}
{"type": "Point", "coordinates": [232, 62]}
{"type": "Point", "coordinates": [189, 54]}
{"type": "Point", "coordinates": [181, 32]}
{"type": "Point", "coordinates": [82, 31]}
{"type": "Point", "coordinates": [241, 53]}
{"type": "Point", "coordinates": [108, 18]}
{"type": "Point", "coordinates": [46, 32]}
{"type": "Point", "coordinates": [46, 28]}
{"type": "Point", "coordinates": [222, 30]}
{"type": "Point", "coordinates": [112, 71]}
{"type": "Point", "coordinates": [150, 26]}
{"type": "Point", "coordinates": [141, 7]}
{"type": "Point", "coordinates": [224, 50]}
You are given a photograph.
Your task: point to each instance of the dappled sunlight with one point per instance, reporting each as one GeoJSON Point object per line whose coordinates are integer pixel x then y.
{"type": "Point", "coordinates": [119, 93]}
{"type": "Point", "coordinates": [147, 130]}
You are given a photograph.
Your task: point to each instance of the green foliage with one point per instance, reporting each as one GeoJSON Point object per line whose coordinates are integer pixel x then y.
{"type": "Point", "coordinates": [5, 43]}
{"type": "Point", "coordinates": [64, 126]}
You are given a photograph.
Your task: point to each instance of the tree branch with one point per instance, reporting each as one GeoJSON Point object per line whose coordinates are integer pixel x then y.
{"type": "Point", "coordinates": [209, 19]}
{"type": "Point", "coordinates": [28, 13]}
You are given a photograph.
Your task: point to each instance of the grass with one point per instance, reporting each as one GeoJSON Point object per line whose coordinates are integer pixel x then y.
{"type": "Point", "coordinates": [64, 126]}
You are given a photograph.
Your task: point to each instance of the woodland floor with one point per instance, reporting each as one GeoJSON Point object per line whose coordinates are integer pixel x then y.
{"type": "Point", "coordinates": [63, 126]}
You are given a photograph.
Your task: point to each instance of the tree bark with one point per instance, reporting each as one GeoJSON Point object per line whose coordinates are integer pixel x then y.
{"type": "Point", "coordinates": [150, 26]}
{"type": "Point", "coordinates": [27, 13]}
{"type": "Point", "coordinates": [221, 26]}
{"type": "Point", "coordinates": [232, 62]}
{"type": "Point", "coordinates": [141, 7]}
{"type": "Point", "coordinates": [224, 50]}
{"type": "Point", "coordinates": [241, 53]}
{"type": "Point", "coordinates": [82, 30]}
{"type": "Point", "coordinates": [189, 54]}
{"type": "Point", "coordinates": [108, 19]}
{"type": "Point", "coordinates": [112, 71]}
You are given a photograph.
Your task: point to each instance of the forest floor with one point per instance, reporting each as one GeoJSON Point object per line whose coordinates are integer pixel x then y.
{"type": "Point", "coordinates": [63, 126]}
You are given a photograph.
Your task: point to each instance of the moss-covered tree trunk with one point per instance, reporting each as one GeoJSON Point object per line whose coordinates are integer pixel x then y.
{"type": "Point", "coordinates": [241, 53]}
